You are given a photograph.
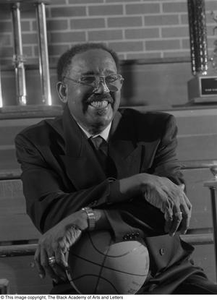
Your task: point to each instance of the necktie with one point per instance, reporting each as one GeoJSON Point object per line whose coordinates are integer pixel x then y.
{"type": "Point", "coordinates": [101, 149]}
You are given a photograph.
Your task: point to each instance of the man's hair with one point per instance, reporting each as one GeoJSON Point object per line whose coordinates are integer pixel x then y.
{"type": "Point", "coordinates": [65, 59]}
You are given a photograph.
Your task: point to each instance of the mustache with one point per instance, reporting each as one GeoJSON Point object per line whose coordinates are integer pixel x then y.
{"type": "Point", "coordinates": [95, 97]}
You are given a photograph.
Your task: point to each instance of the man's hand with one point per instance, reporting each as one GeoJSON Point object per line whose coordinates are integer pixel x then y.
{"type": "Point", "coordinates": [53, 245]}
{"type": "Point", "coordinates": [171, 200]}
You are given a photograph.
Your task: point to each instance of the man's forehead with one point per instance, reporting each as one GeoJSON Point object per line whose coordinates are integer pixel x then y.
{"type": "Point", "coordinates": [93, 59]}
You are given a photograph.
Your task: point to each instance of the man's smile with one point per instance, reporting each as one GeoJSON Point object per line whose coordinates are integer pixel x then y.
{"type": "Point", "coordinates": [100, 101]}
{"type": "Point", "coordinates": [100, 104]}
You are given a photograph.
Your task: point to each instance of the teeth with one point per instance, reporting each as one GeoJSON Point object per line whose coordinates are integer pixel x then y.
{"type": "Point", "coordinates": [99, 104]}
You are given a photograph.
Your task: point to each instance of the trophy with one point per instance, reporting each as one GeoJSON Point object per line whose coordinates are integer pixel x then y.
{"type": "Point", "coordinates": [202, 88]}
{"type": "Point", "coordinates": [18, 57]}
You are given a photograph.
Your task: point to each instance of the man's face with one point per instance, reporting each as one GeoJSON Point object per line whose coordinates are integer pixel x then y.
{"type": "Point", "coordinates": [93, 108]}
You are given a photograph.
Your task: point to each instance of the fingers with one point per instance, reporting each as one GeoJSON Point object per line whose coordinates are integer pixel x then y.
{"type": "Point", "coordinates": [186, 209]}
{"type": "Point", "coordinates": [41, 270]}
{"type": "Point", "coordinates": [179, 220]}
{"type": "Point", "coordinates": [50, 256]}
{"type": "Point", "coordinates": [168, 216]}
{"type": "Point", "coordinates": [58, 269]}
{"type": "Point", "coordinates": [175, 223]}
{"type": "Point", "coordinates": [43, 265]}
{"type": "Point", "coordinates": [51, 265]}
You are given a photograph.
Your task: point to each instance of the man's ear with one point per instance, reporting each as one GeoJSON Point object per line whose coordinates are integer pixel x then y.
{"type": "Point", "coordinates": [62, 91]}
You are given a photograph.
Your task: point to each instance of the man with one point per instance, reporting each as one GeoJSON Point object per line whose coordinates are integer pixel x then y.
{"type": "Point", "coordinates": [130, 184]}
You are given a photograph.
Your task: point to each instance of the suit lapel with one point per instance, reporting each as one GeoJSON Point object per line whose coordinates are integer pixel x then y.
{"type": "Point", "coordinates": [123, 148]}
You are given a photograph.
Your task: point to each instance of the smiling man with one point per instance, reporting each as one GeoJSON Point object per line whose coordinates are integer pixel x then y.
{"type": "Point", "coordinates": [101, 167]}
{"type": "Point", "coordinates": [88, 84]}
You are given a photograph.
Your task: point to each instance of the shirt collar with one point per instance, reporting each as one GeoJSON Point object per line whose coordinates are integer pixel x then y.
{"type": "Point", "coordinates": [104, 134]}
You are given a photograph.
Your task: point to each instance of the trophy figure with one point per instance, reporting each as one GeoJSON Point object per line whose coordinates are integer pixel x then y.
{"type": "Point", "coordinates": [202, 88]}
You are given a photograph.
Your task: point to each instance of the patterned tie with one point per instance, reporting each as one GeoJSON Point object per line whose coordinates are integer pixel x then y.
{"type": "Point", "coordinates": [97, 141]}
{"type": "Point", "coordinates": [101, 149]}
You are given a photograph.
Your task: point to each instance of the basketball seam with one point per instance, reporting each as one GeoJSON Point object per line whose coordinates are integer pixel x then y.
{"type": "Point", "coordinates": [102, 265]}
{"type": "Point", "coordinates": [106, 267]}
{"type": "Point", "coordinates": [109, 255]}
{"type": "Point", "coordinates": [99, 277]}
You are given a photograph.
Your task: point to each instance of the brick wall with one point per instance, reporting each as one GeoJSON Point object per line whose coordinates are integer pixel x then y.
{"type": "Point", "coordinates": [136, 29]}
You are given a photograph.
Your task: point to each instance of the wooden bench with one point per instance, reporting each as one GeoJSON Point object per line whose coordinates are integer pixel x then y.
{"type": "Point", "coordinates": [19, 237]}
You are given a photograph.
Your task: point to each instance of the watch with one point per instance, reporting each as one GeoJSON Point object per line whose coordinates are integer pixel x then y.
{"type": "Point", "coordinates": [91, 218]}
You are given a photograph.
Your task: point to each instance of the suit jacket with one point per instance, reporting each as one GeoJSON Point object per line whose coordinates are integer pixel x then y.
{"type": "Point", "coordinates": [61, 174]}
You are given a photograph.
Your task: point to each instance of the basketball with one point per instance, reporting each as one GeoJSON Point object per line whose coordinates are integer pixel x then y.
{"type": "Point", "coordinates": [97, 265]}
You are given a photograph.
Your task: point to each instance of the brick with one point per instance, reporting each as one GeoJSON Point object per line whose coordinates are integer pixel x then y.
{"type": "Point", "coordinates": [146, 8]}
{"type": "Point", "coordinates": [5, 14]}
{"type": "Point", "coordinates": [184, 19]}
{"type": "Point", "coordinates": [59, 38]}
{"type": "Point", "coordinates": [5, 61]}
{"type": "Point", "coordinates": [161, 20]}
{"type": "Point", "coordinates": [25, 26]}
{"type": "Point", "coordinates": [105, 35]}
{"type": "Point", "coordinates": [30, 38]}
{"type": "Point", "coordinates": [5, 27]}
{"type": "Point", "coordinates": [142, 33]}
{"type": "Point", "coordinates": [5, 39]}
{"type": "Point", "coordinates": [142, 55]}
{"type": "Point", "coordinates": [186, 44]}
{"type": "Point", "coordinates": [174, 7]}
{"type": "Point", "coordinates": [60, 2]}
{"type": "Point", "coordinates": [7, 52]}
{"type": "Point", "coordinates": [35, 25]}
{"type": "Point", "coordinates": [67, 11]}
{"type": "Point", "coordinates": [87, 23]}
{"type": "Point", "coordinates": [28, 14]}
{"type": "Point", "coordinates": [28, 52]}
{"type": "Point", "coordinates": [162, 45]}
{"type": "Point", "coordinates": [125, 22]}
{"type": "Point", "coordinates": [57, 50]}
{"type": "Point", "coordinates": [170, 32]}
{"type": "Point", "coordinates": [58, 24]}
{"type": "Point", "coordinates": [177, 54]}
{"type": "Point", "coordinates": [105, 10]}
{"type": "Point", "coordinates": [114, 1]}
{"type": "Point", "coordinates": [31, 61]}
{"type": "Point", "coordinates": [85, 1]}
{"type": "Point", "coordinates": [126, 46]}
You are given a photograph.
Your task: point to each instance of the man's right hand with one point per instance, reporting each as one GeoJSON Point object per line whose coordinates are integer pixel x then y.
{"type": "Point", "coordinates": [50, 255]}
{"type": "Point", "coordinates": [53, 245]}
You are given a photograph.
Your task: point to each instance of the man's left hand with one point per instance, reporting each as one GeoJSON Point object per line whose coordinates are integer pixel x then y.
{"type": "Point", "coordinates": [172, 201]}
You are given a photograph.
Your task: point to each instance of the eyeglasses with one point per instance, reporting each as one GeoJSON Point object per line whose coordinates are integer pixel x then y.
{"type": "Point", "coordinates": [113, 81]}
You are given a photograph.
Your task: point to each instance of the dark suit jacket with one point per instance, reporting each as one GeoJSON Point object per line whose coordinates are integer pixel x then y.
{"type": "Point", "coordinates": [61, 174]}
